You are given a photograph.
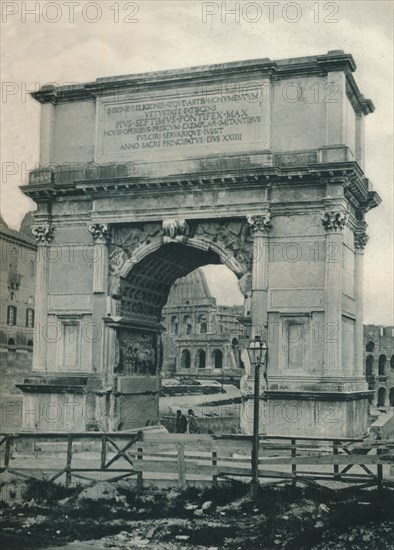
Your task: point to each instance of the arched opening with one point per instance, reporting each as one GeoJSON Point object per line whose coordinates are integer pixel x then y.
{"type": "Point", "coordinates": [381, 397]}
{"type": "Point", "coordinates": [391, 397]}
{"type": "Point", "coordinates": [185, 359]}
{"type": "Point", "coordinates": [187, 324]}
{"type": "Point", "coordinates": [203, 324]}
{"type": "Point", "coordinates": [30, 318]}
{"type": "Point", "coordinates": [370, 346]}
{"type": "Point", "coordinates": [237, 353]}
{"type": "Point", "coordinates": [382, 365]}
{"type": "Point", "coordinates": [201, 359]}
{"type": "Point", "coordinates": [141, 295]}
{"type": "Point", "coordinates": [174, 325]}
{"type": "Point", "coordinates": [369, 366]}
{"type": "Point", "coordinates": [11, 342]}
{"type": "Point", "coordinates": [30, 343]}
{"type": "Point", "coordinates": [218, 359]}
{"type": "Point", "coordinates": [11, 315]}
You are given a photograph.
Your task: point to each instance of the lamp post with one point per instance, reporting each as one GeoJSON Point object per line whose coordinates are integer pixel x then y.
{"type": "Point", "coordinates": [257, 351]}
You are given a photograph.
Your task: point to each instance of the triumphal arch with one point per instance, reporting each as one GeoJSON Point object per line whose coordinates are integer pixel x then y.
{"type": "Point", "coordinates": [257, 165]}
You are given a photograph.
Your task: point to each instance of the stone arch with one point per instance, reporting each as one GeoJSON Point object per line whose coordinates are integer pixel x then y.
{"type": "Point", "coordinates": [174, 325]}
{"type": "Point", "coordinates": [185, 359]}
{"type": "Point", "coordinates": [203, 324]}
{"type": "Point", "coordinates": [382, 365]}
{"type": "Point", "coordinates": [369, 366]}
{"type": "Point", "coordinates": [187, 325]}
{"type": "Point", "coordinates": [236, 349]}
{"type": "Point", "coordinates": [201, 359]}
{"type": "Point", "coordinates": [218, 359]}
{"type": "Point", "coordinates": [226, 258]}
{"type": "Point", "coordinates": [381, 397]}
{"type": "Point", "coordinates": [370, 346]}
{"type": "Point", "coordinates": [391, 397]}
{"type": "Point", "coordinates": [145, 260]}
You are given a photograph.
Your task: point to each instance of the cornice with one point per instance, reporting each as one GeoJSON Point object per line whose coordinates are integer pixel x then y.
{"type": "Point", "coordinates": [335, 60]}
{"type": "Point", "coordinates": [348, 174]}
{"type": "Point", "coordinates": [18, 241]}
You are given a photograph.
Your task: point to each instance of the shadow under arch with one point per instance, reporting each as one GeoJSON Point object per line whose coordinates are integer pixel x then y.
{"type": "Point", "coordinates": [147, 277]}
{"type": "Point", "coordinates": [201, 244]}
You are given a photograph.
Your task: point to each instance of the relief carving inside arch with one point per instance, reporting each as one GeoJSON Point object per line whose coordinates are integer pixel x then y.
{"type": "Point", "coordinates": [144, 292]}
{"type": "Point", "coordinates": [232, 236]}
{"type": "Point", "coordinates": [137, 353]}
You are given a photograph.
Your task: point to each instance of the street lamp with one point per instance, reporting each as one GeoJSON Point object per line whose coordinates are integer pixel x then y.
{"type": "Point", "coordinates": [257, 352]}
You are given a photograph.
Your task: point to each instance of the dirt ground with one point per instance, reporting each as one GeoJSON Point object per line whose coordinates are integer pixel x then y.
{"type": "Point", "coordinates": [37, 514]}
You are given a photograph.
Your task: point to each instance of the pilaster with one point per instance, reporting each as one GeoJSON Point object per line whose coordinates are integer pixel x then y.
{"type": "Point", "coordinates": [260, 225]}
{"type": "Point", "coordinates": [334, 222]}
{"type": "Point", "coordinates": [101, 236]}
{"type": "Point", "coordinates": [360, 241]}
{"type": "Point", "coordinates": [44, 235]}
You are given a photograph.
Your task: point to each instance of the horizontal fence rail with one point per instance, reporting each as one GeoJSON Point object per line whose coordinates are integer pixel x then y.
{"type": "Point", "coordinates": [108, 448]}
{"type": "Point", "coordinates": [180, 457]}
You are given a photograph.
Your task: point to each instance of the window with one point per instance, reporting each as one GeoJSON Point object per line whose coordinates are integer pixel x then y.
{"type": "Point", "coordinates": [14, 260]}
{"type": "Point", "coordinates": [381, 397]}
{"type": "Point", "coordinates": [187, 323]}
{"type": "Point", "coordinates": [30, 318]}
{"type": "Point", "coordinates": [30, 343]}
{"type": "Point", "coordinates": [392, 362]}
{"type": "Point", "coordinates": [30, 301]}
{"type": "Point", "coordinates": [391, 397]}
{"type": "Point", "coordinates": [11, 342]}
{"type": "Point", "coordinates": [218, 358]}
{"type": "Point", "coordinates": [174, 325]}
{"type": "Point", "coordinates": [185, 359]}
{"type": "Point", "coordinates": [201, 359]}
{"type": "Point", "coordinates": [382, 365]}
{"type": "Point", "coordinates": [369, 366]}
{"type": "Point", "coordinates": [203, 322]}
{"type": "Point", "coordinates": [11, 315]}
{"type": "Point", "coordinates": [370, 346]}
{"type": "Point", "coordinates": [12, 296]}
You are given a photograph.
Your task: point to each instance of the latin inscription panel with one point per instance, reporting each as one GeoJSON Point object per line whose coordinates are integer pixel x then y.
{"type": "Point", "coordinates": [176, 127]}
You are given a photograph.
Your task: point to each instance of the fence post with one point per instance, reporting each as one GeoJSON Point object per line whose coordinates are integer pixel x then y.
{"type": "Point", "coordinates": [103, 451]}
{"type": "Point", "coordinates": [214, 464]}
{"type": "Point", "coordinates": [335, 451]}
{"type": "Point", "coordinates": [69, 458]}
{"type": "Point", "coordinates": [7, 452]}
{"type": "Point", "coordinates": [181, 464]}
{"type": "Point", "coordinates": [293, 466]}
{"type": "Point", "coordinates": [379, 468]}
{"type": "Point", "coordinates": [140, 479]}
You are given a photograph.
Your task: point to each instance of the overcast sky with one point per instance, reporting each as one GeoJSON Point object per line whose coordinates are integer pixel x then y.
{"type": "Point", "coordinates": [175, 34]}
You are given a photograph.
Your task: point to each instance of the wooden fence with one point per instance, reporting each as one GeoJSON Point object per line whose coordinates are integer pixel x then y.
{"type": "Point", "coordinates": [113, 448]}
{"type": "Point", "coordinates": [182, 457]}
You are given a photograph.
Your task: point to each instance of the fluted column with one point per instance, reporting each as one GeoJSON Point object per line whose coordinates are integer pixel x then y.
{"type": "Point", "coordinates": [334, 221]}
{"type": "Point", "coordinates": [44, 235]}
{"type": "Point", "coordinates": [360, 241]}
{"type": "Point", "coordinates": [260, 226]}
{"type": "Point", "coordinates": [100, 236]}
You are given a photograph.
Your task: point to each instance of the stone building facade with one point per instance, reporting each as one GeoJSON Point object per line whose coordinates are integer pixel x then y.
{"type": "Point", "coordinates": [379, 364]}
{"type": "Point", "coordinates": [201, 338]}
{"type": "Point", "coordinates": [144, 178]}
{"type": "Point", "coordinates": [17, 316]}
